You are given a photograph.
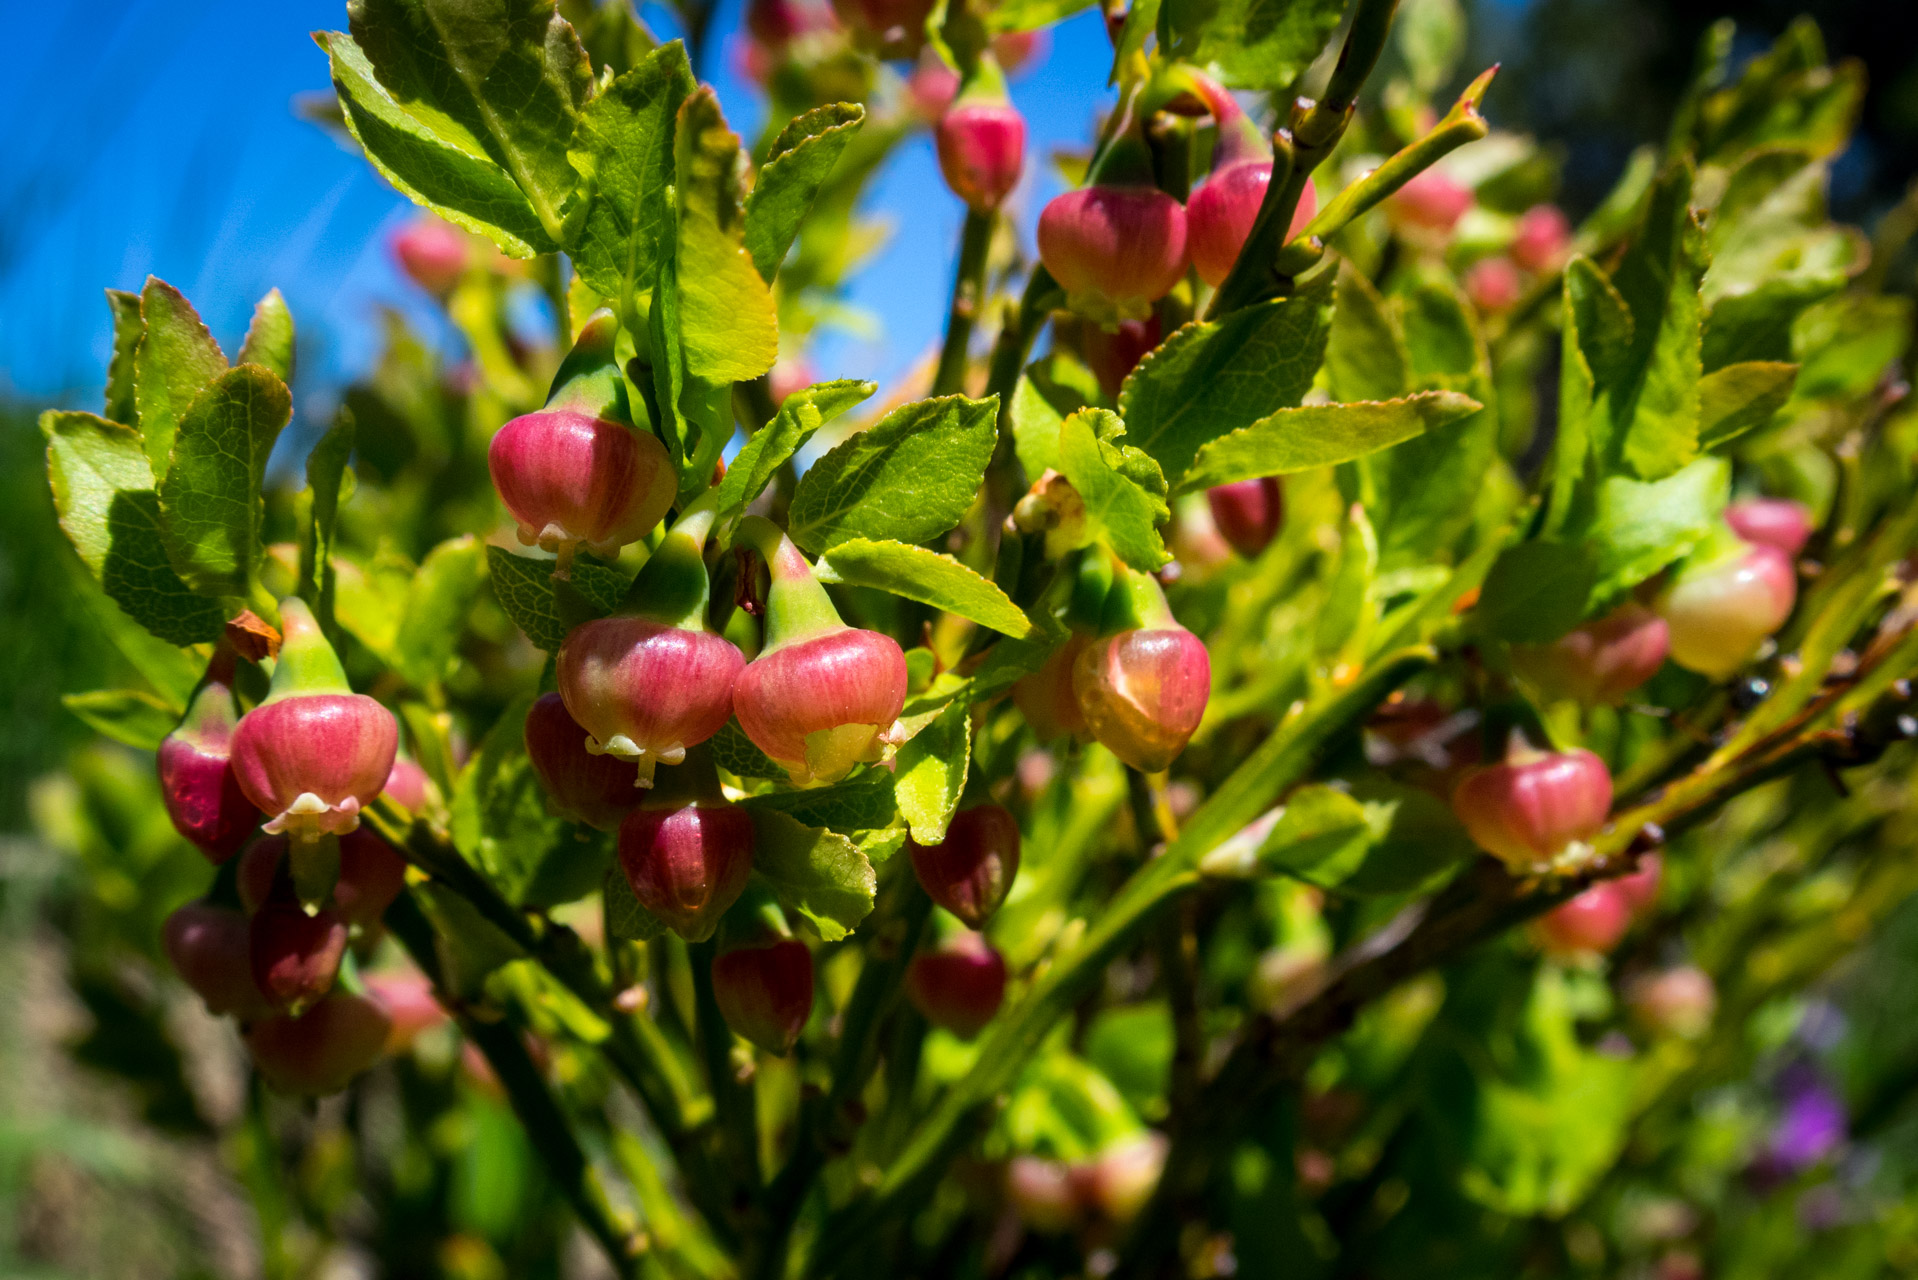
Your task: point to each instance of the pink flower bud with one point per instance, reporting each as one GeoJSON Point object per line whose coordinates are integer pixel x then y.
{"type": "Point", "coordinates": [1641, 886]}
{"type": "Point", "coordinates": [208, 948]}
{"type": "Point", "coordinates": [314, 752]}
{"type": "Point", "coordinates": [687, 862]}
{"type": "Point", "coordinates": [598, 790]}
{"type": "Point", "coordinates": [1114, 353]}
{"type": "Point", "coordinates": [1115, 250]}
{"type": "Point", "coordinates": [573, 480]}
{"type": "Point", "coordinates": [1119, 1182]}
{"type": "Point", "coordinates": [320, 1051]}
{"type": "Point", "coordinates": [372, 875]}
{"type": "Point", "coordinates": [1493, 285]}
{"type": "Point", "coordinates": [1432, 200]}
{"type": "Point", "coordinates": [295, 956]}
{"type": "Point", "coordinates": [764, 991]}
{"type": "Point", "coordinates": [788, 376]}
{"type": "Point", "coordinates": [932, 85]}
{"type": "Point", "coordinates": [1042, 1193]}
{"type": "Point", "coordinates": [958, 985]}
{"type": "Point", "coordinates": [1720, 611]}
{"type": "Point", "coordinates": [202, 794]}
{"type": "Point", "coordinates": [1591, 923]}
{"type": "Point", "coordinates": [1015, 49]}
{"type": "Point", "coordinates": [982, 147]}
{"type": "Point", "coordinates": [1601, 661]}
{"type": "Point", "coordinates": [645, 691]}
{"type": "Point", "coordinates": [1771, 522]}
{"type": "Point", "coordinates": [1045, 698]}
{"type": "Point", "coordinates": [969, 872]}
{"type": "Point", "coordinates": [409, 1002]}
{"type": "Point", "coordinates": [1247, 513]}
{"type": "Point", "coordinates": [1676, 1002]}
{"type": "Point", "coordinates": [432, 252]}
{"type": "Point", "coordinates": [1530, 808]}
{"type": "Point", "coordinates": [1543, 237]}
{"type": "Point", "coordinates": [1220, 214]}
{"type": "Point", "coordinates": [1143, 693]}
{"type": "Point", "coordinates": [407, 785]}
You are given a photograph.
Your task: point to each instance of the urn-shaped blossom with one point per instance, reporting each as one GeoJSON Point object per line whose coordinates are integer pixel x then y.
{"type": "Point", "coordinates": [981, 140]}
{"type": "Point", "coordinates": [598, 790]}
{"type": "Point", "coordinates": [654, 679]}
{"type": "Point", "coordinates": [958, 985]}
{"type": "Point", "coordinates": [1725, 601]}
{"type": "Point", "coordinates": [1590, 923]}
{"type": "Point", "coordinates": [295, 956]}
{"type": "Point", "coordinates": [320, 1051]}
{"type": "Point", "coordinates": [1771, 522]}
{"type": "Point", "coordinates": [1544, 236]}
{"type": "Point", "coordinates": [1601, 661]}
{"type": "Point", "coordinates": [763, 977]}
{"type": "Point", "coordinates": [687, 852]}
{"type": "Point", "coordinates": [1534, 805]}
{"type": "Point", "coordinates": [202, 793]}
{"type": "Point", "coordinates": [1115, 248]}
{"type": "Point", "coordinates": [432, 252]}
{"type": "Point", "coordinates": [372, 874]}
{"type": "Point", "coordinates": [208, 947]}
{"type": "Point", "coordinates": [821, 697]}
{"type": "Point", "coordinates": [1433, 200]}
{"type": "Point", "coordinates": [577, 473]}
{"type": "Point", "coordinates": [1143, 685]}
{"type": "Point", "coordinates": [1221, 210]}
{"type": "Point", "coordinates": [314, 752]}
{"type": "Point", "coordinates": [970, 871]}
{"type": "Point", "coordinates": [1247, 513]}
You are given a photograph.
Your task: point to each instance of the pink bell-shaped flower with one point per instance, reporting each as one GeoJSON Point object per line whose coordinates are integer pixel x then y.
{"type": "Point", "coordinates": [970, 871]}
{"type": "Point", "coordinates": [295, 956]}
{"type": "Point", "coordinates": [981, 140]}
{"type": "Point", "coordinates": [1601, 661]}
{"type": "Point", "coordinates": [202, 793]}
{"type": "Point", "coordinates": [314, 752]}
{"type": "Point", "coordinates": [1591, 923]}
{"type": "Point", "coordinates": [320, 1051]}
{"type": "Point", "coordinates": [433, 252]}
{"type": "Point", "coordinates": [208, 947]}
{"type": "Point", "coordinates": [1533, 806]}
{"type": "Point", "coordinates": [821, 697]}
{"type": "Point", "coordinates": [1144, 684]}
{"type": "Point", "coordinates": [1771, 522]}
{"type": "Point", "coordinates": [372, 874]}
{"type": "Point", "coordinates": [1544, 237]}
{"type": "Point", "coordinates": [598, 790]}
{"type": "Point", "coordinates": [1221, 210]}
{"type": "Point", "coordinates": [958, 985]}
{"type": "Point", "coordinates": [1248, 513]}
{"type": "Point", "coordinates": [1725, 601]}
{"type": "Point", "coordinates": [687, 852]}
{"type": "Point", "coordinates": [763, 976]}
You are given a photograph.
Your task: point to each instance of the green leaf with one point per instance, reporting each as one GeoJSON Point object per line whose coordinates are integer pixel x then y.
{"type": "Point", "coordinates": [801, 414]}
{"type": "Point", "coordinates": [931, 772]}
{"type": "Point", "coordinates": [132, 716]}
{"type": "Point", "coordinates": [819, 874]}
{"type": "Point", "coordinates": [1320, 836]}
{"type": "Point", "coordinates": [928, 577]}
{"type": "Point", "coordinates": [908, 477]}
{"type": "Point", "coordinates": [1415, 838]}
{"type": "Point", "coordinates": [1250, 44]}
{"type": "Point", "coordinates": [499, 819]}
{"type": "Point", "coordinates": [1441, 340]}
{"type": "Point", "coordinates": [500, 79]}
{"type": "Point", "coordinates": [454, 178]}
{"type": "Point", "coordinates": [1741, 397]}
{"type": "Point", "coordinates": [734, 752]}
{"type": "Point", "coordinates": [624, 148]}
{"type": "Point", "coordinates": [1639, 528]}
{"type": "Point", "coordinates": [1605, 325]}
{"type": "Point", "coordinates": [1758, 325]}
{"type": "Point", "coordinates": [437, 605]}
{"type": "Point", "coordinates": [1123, 491]}
{"type": "Point", "coordinates": [1322, 434]}
{"type": "Point", "coordinates": [470, 945]}
{"type": "Point", "coordinates": [326, 481]}
{"type": "Point", "coordinates": [863, 802]}
{"type": "Point", "coordinates": [1365, 355]}
{"type": "Point", "coordinates": [102, 491]}
{"type": "Point", "coordinates": [524, 586]}
{"type": "Point", "coordinates": [269, 338]}
{"type": "Point", "coordinates": [1051, 390]}
{"type": "Point", "coordinates": [210, 494]}
{"type": "Point", "coordinates": [728, 326]}
{"type": "Point", "coordinates": [1030, 15]}
{"type": "Point", "coordinates": [627, 919]}
{"type": "Point", "coordinates": [128, 329]}
{"type": "Point", "coordinates": [801, 160]}
{"type": "Point", "coordinates": [172, 671]}
{"type": "Point", "coordinates": [1663, 435]}
{"type": "Point", "coordinates": [177, 358]}
{"type": "Point", "coordinates": [1537, 591]}
{"type": "Point", "coordinates": [1208, 380]}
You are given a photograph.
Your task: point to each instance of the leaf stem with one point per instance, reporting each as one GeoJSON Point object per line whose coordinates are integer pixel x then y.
{"type": "Point", "coordinates": [968, 299]}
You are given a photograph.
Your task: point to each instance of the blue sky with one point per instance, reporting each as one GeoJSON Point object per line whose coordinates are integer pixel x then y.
{"type": "Point", "coordinates": [159, 136]}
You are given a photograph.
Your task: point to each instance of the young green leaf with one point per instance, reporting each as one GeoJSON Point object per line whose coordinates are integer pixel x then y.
{"type": "Point", "coordinates": [1208, 380]}
{"type": "Point", "coordinates": [524, 587]}
{"type": "Point", "coordinates": [801, 414]}
{"type": "Point", "coordinates": [734, 752]}
{"type": "Point", "coordinates": [430, 159]}
{"type": "Point", "coordinates": [802, 159]}
{"type": "Point", "coordinates": [210, 494]}
{"type": "Point", "coordinates": [931, 772]}
{"type": "Point", "coordinates": [819, 874]}
{"type": "Point", "coordinates": [177, 358]}
{"type": "Point", "coordinates": [624, 147]}
{"type": "Point", "coordinates": [1639, 528]}
{"type": "Point", "coordinates": [728, 327]}
{"type": "Point", "coordinates": [1250, 44]}
{"type": "Point", "coordinates": [1322, 434]}
{"type": "Point", "coordinates": [909, 477]}
{"type": "Point", "coordinates": [437, 605]}
{"type": "Point", "coordinates": [1365, 355]}
{"type": "Point", "coordinates": [326, 481]}
{"type": "Point", "coordinates": [1537, 591]}
{"type": "Point", "coordinates": [1663, 435]}
{"type": "Point", "coordinates": [928, 577]}
{"type": "Point", "coordinates": [269, 338]}
{"type": "Point", "coordinates": [128, 329]}
{"type": "Point", "coordinates": [1741, 397]}
{"type": "Point", "coordinates": [1030, 15]}
{"type": "Point", "coordinates": [1123, 491]}
{"type": "Point", "coordinates": [1049, 392]}
{"type": "Point", "coordinates": [132, 716]}
{"type": "Point", "coordinates": [863, 802]}
{"type": "Point", "coordinates": [499, 819]}
{"type": "Point", "coordinates": [501, 78]}
{"type": "Point", "coordinates": [102, 491]}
